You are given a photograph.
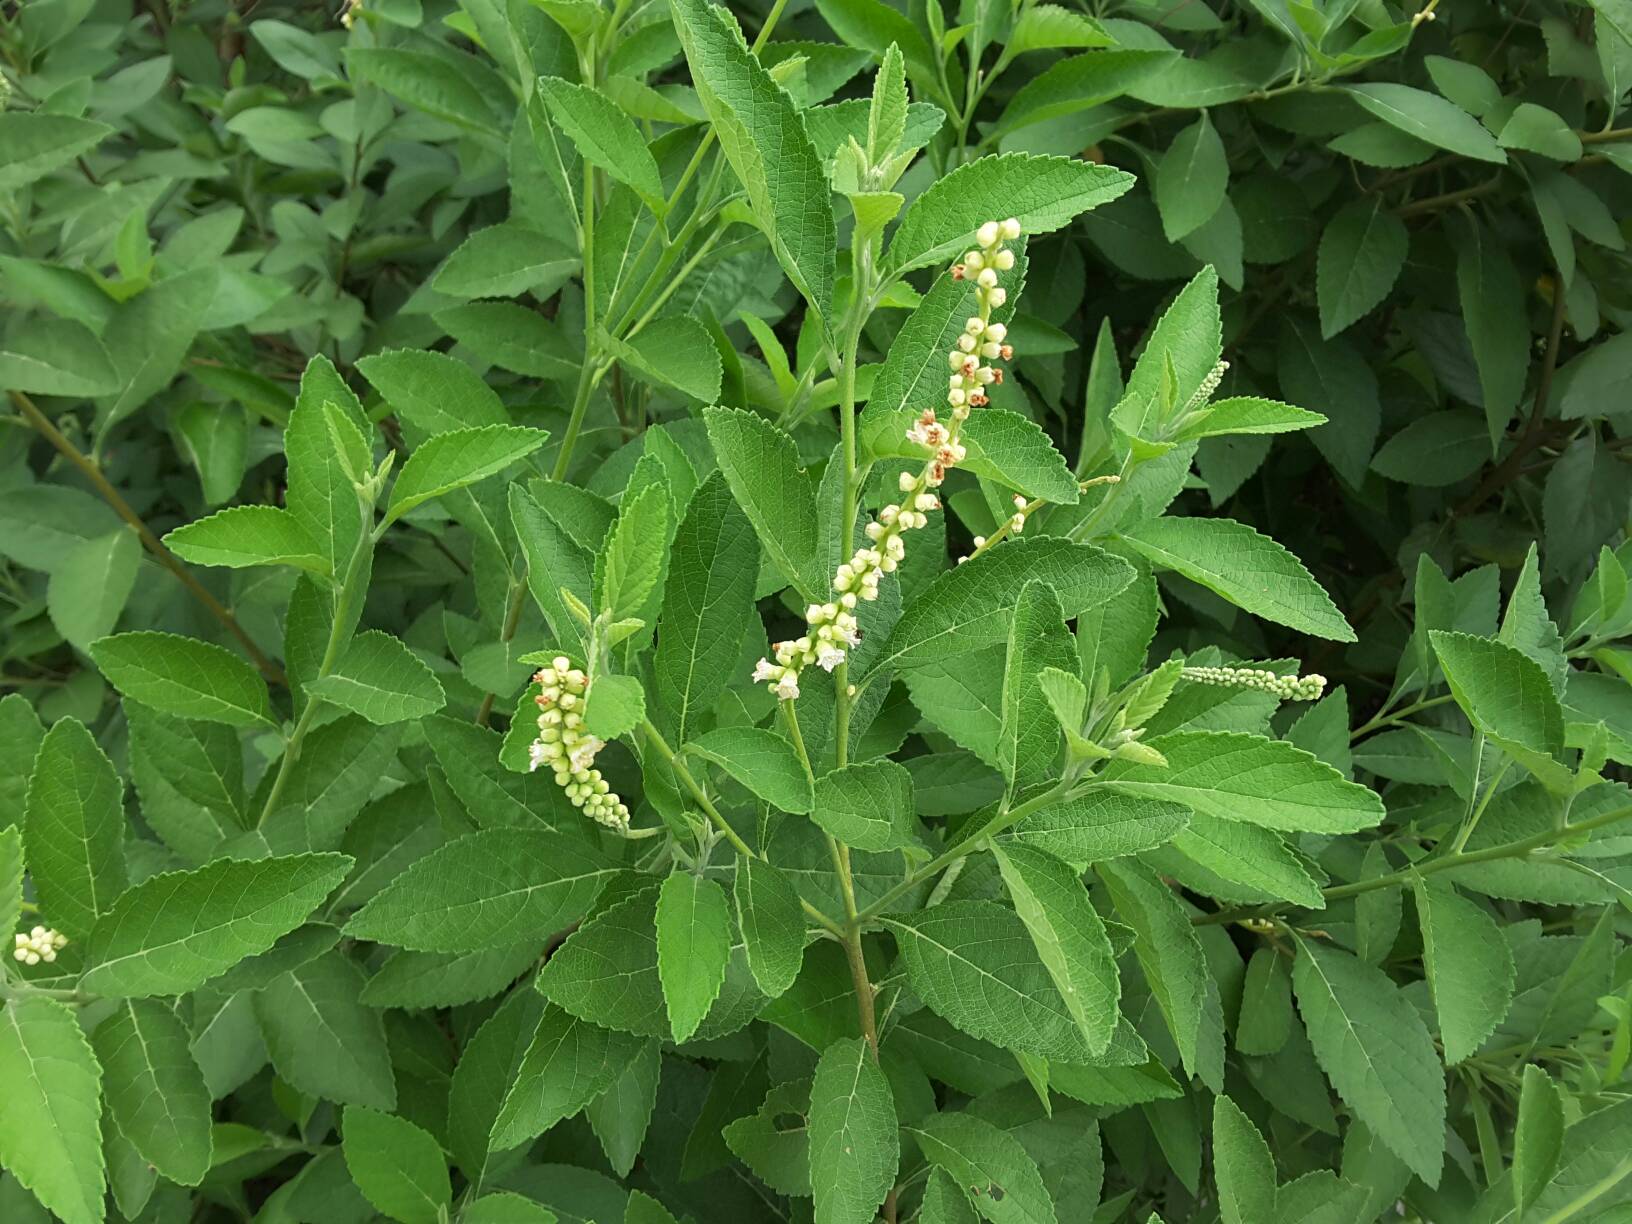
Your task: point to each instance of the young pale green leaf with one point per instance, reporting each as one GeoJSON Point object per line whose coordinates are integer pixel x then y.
{"type": "Point", "coordinates": [1189, 337]}
{"type": "Point", "coordinates": [1243, 1166]}
{"type": "Point", "coordinates": [154, 1089]}
{"type": "Point", "coordinates": [675, 351]}
{"type": "Point", "coordinates": [320, 495]}
{"type": "Point", "coordinates": [761, 464]}
{"type": "Point", "coordinates": [1236, 776]}
{"type": "Point", "coordinates": [633, 560]}
{"type": "Point", "coordinates": [605, 137]}
{"type": "Point", "coordinates": [615, 705]}
{"type": "Point", "coordinates": [693, 946]}
{"type": "Point", "coordinates": [1428, 117]}
{"type": "Point", "coordinates": [460, 457]}
{"type": "Point", "coordinates": [974, 963]}
{"type": "Point", "coordinates": [88, 590]}
{"type": "Point", "coordinates": [323, 1041]}
{"type": "Point", "coordinates": [868, 805]}
{"type": "Point", "coordinates": [381, 679]}
{"type": "Point", "coordinates": [50, 1140]}
{"type": "Point", "coordinates": [1538, 1135]}
{"type": "Point", "coordinates": [433, 392]}
{"type": "Point", "coordinates": [248, 535]}
{"type": "Point", "coordinates": [185, 677]}
{"type": "Point", "coordinates": [763, 136]}
{"type": "Point", "coordinates": [1373, 1046]}
{"type": "Point", "coordinates": [1042, 193]}
{"type": "Point", "coordinates": [1504, 693]}
{"type": "Point", "coordinates": [1069, 937]}
{"type": "Point", "coordinates": [1170, 954]}
{"type": "Point", "coordinates": [555, 564]}
{"type": "Point", "coordinates": [498, 886]}
{"type": "Point", "coordinates": [568, 1063]}
{"type": "Point", "coordinates": [506, 260]}
{"type": "Point", "coordinates": [1191, 179]}
{"type": "Point", "coordinates": [970, 606]}
{"type": "Point", "coordinates": [1248, 414]}
{"type": "Point", "coordinates": [1044, 27]}
{"type": "Point", "coordinates": [1250, 570]}
{"type": "Point", "coordinates": [772, 924]}
{"type": "Point", "coordinates": [398, 1167]}
{"type": "Point", "coordinates": [1469, 964]}
{"type": "Point", "coordinates": [74, 830]}
{"type": "Point", "coordinates": [175, 931]}
{"type": "Point", "coordinates": [1028, 741]}
{"type": "Point", "coordinates": [1002, 1178]}
{"type": "Point", "coordinates": [1362, 251]}
{"type": "Point", "coordinates": [887, 114]}
{"type": "Point", "coordinates": [855, 1148]}
{"type": "Point", "coordinates": [761, 760]}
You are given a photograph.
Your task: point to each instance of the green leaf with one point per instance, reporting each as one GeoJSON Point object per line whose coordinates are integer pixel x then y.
{"type": "Point", "coordinates": [1428, 117]}
{"type": "Point", "coordinates": [1191, 179]}
{"type": "Point", "coordinates": [50, 1140]}
{"type": "Point", "coordinates": [56, 356]}
{"type": "Point", "coordinates": [1028, 744]}
{"type": "Point", "coordinates": [973, 962]}
{"type": "Point", "coordinates": [708, 605]}
{"type": "Point", "coordinates": [854, 1146]}
{"type": "Point", "coordinates": [1437, 449]}
{"type": "Point", "coordinates": [622, 1115]}
{"type": "Point", "coordinates": [1069, 937]}
{"type": "Point", "coordinates": [381, 679]}
{"type": "Point", "coordinates": [482, 1079]}
{"type": "Point", "coordinates": [1100, 824]}
{"type": "Point", "coordinates": [605, 136]}
{"type": "Point", "coordinates": [320, 494]}
{"type": "Point", "coordinates": [33, 143]}
{"type": "Point", "coordinates": [763, 136]}
{"type": "Point", "coordinates": [674, 351]}
{"type": "Point", "coordinates": [1538, 1135]}
{"type": "Point", "coordinates": [1243, 1166]}
{"type": "Point", "coordinates": [1536, 129]}
{"type": "Point", "coordinates": [11, 878]}
{"type": "Point", "coordinates": [1247, 854]}
{"type": "Point", "coordinates": [568, 1064]}
{"type": "Point", "coordinates": [1188, 337]}
{"type": "Point", "coordinates": [1002, 446]}
{"type": "Point", "coordinates": [398, 1167]}
{"type": "Point", "coordinates": [429, 82]}
{"type": "Point", "coordinates": [1170, 955]}
{"type": "Point", "coordinates": [175, 931]}
{"type": "Point", "coordinates": [1362, 251]}
{"type": "Point", "coordinates": [89, 588]}
{"type": "Point", "coordinates": [1373, 1046]}
{"type": "Point", "coordinates": [555, 563]}
{"type": "Point", "coordinates": [1469, 965]}
{"type": "Point", "coordinates": [614, 705]}
{"type": "Point", "coordinates": [248, 535]}
{"type": "Point", "coordinates": [1233, 775]}
{"type": "Point", "coordinates": [1250, 570]}
{"type": "Point", "coordinates": [1504, 693]}
{"type": "Point", "coordinates": [511, 337]}
{"type": "Point", "coordinates": [323, 1041]}
{"type": "Point", "coordinates": [460, 457]}
{"type": "Point", "coordinates": [1266, 1004]}
{"type": "Point", "coordinates": [970, 606]}
{"type": "Point", "coordinates": [1044, 27]}
{"type": "Point", "coordinates": [868, 805]}
{"type": "Point", "coordinates": [772, 923]}
{"type": "Point", "coordinates": [149, 335]}
{"type": "Point", "coordinates": [693, 946]}
{"type": "Point", "coordinates": [154, 1089]}
{"type": "Point", "coordinates": [1001, 1177]}
{"type": "Point", "coordinates": [1248, 414]}
{"type": "Point", "coordinates": [1079, 82]}
{"type": "Point", "coordinates": [1042, 193]}
{"type": "Point", "coordinates": [761, 464]}
{"type": "Point", "coordinates": [498, 886]}
{"type": "Point", "coordinates": [185, 677]}
{"type": "Point", "coordinates": [506, 1208]}
{"type": "Point", "coordinates": [504, 260]}
{"type": "Point", "coordinates": [74, 830]}
{"type": "Point", "coordinates": [1493, 308]}
{"type": "Point", "coordinates": [633, 560]}
{"type": "Point", "coordinates": [761, 760]}
{"type": "Point", "coordinates": [447, 979]}
{"type": "Point", "coordinates": [433, 392]}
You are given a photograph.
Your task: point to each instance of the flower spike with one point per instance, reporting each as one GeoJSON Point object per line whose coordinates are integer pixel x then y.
{"type": "Point", "coordinates": [568, 749]}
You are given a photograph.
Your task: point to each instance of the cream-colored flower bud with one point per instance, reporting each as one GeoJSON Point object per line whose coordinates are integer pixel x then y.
{"type": "Point", "coordinates": [955, 397]}
{"type": "Point", "coordinates": [1003, 260]}
{"type": "Point", "coordinates": [1010, 229]}
{"type": "Point", "coordinates": [974, 261]}
{"type": "Point", "coordinates": [905, 482]}
{"type": "Point", "coordinates": [996, 332]}
{"type": "Point", "coordinates": [987, 278]}
{"type": "Point", "coordinates": [974, 326]}
{"type": "Point", "coordinates": [987, 234]}
{"type": "Point", "coordinates": [996, 297]}
{"type": "Point", "coordinates": [966, 343]}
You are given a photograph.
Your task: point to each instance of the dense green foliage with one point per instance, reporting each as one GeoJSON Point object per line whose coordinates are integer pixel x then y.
{"type": "Point", "coordinates": [1183, 774]}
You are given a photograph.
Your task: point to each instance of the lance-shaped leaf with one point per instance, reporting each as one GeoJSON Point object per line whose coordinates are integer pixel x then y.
{"type": "Point", "coordinates": [460, 457]}
{"type": "Point", "coordinates": [772, 924]}
{"type": "Point", "coordinates": [1470, 967]}
{"type": "Point", "coordinates": [248, 535]}
{"type": "Point", "coordinates": [1191, 179]}
{"type": "Point", "coordinates": [1243, 1166]}
{"type": "Point", "coordinates": [1429, 117]}
{"type": "Point", "coordinates": [74, 830]}
{"type": "Point", "coordinates": [1361, 253]}
{"type": "Point", "coordinates": [1028, 743]}
{"type": "Point", "coordinates": [323, 1040]}
{"type": "Point", "coordinates": [633, 561]}
{"type": "Point", "coordinates": [34, 143]}
{"type": "Point", "coordinates": [761, 464]}
{"type": "Point", "coordinates": [1507, 697]}
{"type": "Point", "coordinates": [605, 136]}
{"type": "Point", "coordinates": [398, 1167]}
{"type": "Point", "coordinates": [381, 679]}
{"type": "Point", "coordinates": [855, 1147]}
{"type": "Point", "coordinates": [50, 1139]}
{"type": "Point", "coordinates": [154, 1088]}
{"type": "Point", "coordinates": [568, 1064]}
{"type": "Point", "coordinates": [185, 677]}
{"type": "Point", "coordinates": [174, 931]}
{"type": "Point", "coordinates": [991, 1163]}
{"type": "Point", "coordinates": [763, 136]}
{"type": "Point", "coordinates": [693, 947]}
{"type": "Point", "coordinates": [57, 357]}
{"type": "Point", "coordinates": [761, 760]}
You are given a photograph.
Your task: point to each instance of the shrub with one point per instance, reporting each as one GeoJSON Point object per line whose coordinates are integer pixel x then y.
{"type": "Point", "coordinates": [612, 622]}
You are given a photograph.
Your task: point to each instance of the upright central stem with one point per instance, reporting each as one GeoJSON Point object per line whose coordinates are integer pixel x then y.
{"type": "Point", "coordinates": [861, 292]}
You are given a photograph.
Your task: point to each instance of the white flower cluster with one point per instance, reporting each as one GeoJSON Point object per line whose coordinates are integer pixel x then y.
{"type": "Point", "coordinates": [833, 631]}
{"type": "Point", "coordinates": [40, 944]}
{"type": "Point", "coordinates": [567, 748]}
{"type": "Point", "coordinates": [1287, 688]}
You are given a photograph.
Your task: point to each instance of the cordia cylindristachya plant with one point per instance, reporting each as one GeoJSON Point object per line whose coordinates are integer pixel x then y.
{"type": "Point", "coordinates": [632, 612]}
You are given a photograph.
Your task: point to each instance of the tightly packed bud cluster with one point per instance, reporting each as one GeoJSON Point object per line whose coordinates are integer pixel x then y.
{"type": "Point", "coordinates": [832, 630]}
{"type": "Point", "coordinates": [567, 748]}
{"type": "Point", "coordinates": [1287, 688]}
{"type": "Point", "coordinates": [40, 944]}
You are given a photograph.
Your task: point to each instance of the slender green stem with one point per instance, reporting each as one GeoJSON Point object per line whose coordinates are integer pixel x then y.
{"type": "Point", "coordinates": [1384, 719]}
{"type": "Point", "coordinates": [512, 618]}
{"type": "Point", "coordinates": [790, 716]}
{"type": "Point", "coordinates": [1478, 811]}
{"type": "Point", "coordinates": [586, 374]}
{"type": "Point", "coordinates": [655, 738]}
{"type": "Point", "coordinates": [1506, 850]}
